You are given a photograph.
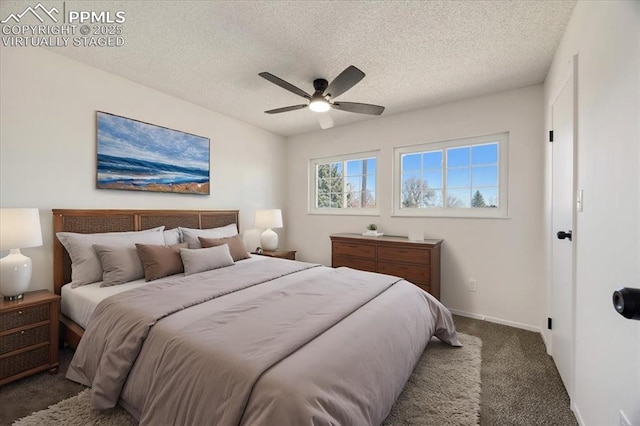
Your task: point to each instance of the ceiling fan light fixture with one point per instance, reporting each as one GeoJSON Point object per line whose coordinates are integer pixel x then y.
{"type": "Point", "coordinates": [319, 103]}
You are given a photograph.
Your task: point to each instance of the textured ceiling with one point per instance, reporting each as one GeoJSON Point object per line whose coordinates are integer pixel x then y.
{"type": "Point", "coordinates": [415, 54]}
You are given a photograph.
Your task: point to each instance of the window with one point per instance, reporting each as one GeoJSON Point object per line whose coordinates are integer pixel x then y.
{"type": "Point", "coordinates": [464, 177]}
{"type": "Point", "coordinates": [344, 185]}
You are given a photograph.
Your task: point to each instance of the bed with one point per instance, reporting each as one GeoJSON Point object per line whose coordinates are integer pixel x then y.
{"type": "Point", "coordinates": [263, 341]}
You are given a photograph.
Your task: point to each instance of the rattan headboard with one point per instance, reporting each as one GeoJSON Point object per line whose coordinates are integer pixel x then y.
{"type": "Point", "coordinates": [94, 221]}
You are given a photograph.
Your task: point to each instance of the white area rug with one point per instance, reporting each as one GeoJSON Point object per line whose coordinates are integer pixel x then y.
{"type": "Point", "coordinates": [443, 390]}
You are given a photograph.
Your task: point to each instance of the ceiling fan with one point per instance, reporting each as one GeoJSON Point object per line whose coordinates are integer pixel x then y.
{"type": "Point", "coordinates": [323, 98]}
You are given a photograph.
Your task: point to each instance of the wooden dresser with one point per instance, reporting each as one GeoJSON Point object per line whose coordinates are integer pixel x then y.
{"type": "Point", "coordinates": [28, 335]}
{"type": "Point", "coordinates": [415, 261]}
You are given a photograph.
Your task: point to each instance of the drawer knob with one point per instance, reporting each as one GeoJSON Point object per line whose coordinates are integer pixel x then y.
{"type": "Point", "coordinates": [22, 332]}
{"type": "Point", "coordinates": [19, 312]}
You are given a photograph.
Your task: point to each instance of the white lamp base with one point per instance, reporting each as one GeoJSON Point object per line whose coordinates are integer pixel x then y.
{"type": "Point", "coordinates": [269, 240]}
{"type": "Point", "coordinates": [15, 275]}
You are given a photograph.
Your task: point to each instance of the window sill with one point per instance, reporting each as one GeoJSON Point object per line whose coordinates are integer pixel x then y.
{"type": "Point", "coordinates": [344, 212]}
{"type": "Point", "coordinates": [453, 214]}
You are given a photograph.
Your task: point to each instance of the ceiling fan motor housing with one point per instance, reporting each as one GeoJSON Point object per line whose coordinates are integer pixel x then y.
{"type": "Point", "coordinates": [320, 84]}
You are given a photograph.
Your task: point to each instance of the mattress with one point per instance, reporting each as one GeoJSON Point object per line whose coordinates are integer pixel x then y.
{"type": "Point", "coordinates": [79, 303]}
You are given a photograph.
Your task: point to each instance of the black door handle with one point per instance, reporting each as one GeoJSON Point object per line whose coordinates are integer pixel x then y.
{"type": "Point", "coordinates": [627, 302]}
{"type": "Point", "coordinates": [562, 235]}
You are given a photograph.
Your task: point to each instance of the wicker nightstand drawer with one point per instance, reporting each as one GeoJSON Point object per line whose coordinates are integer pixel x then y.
{"type": "Point", "coordinates": [23, 338]}
{"type": "Point", "coordinates": [28, 335]}
{"type": "Point", "coordinates": [24, 361]}
{"type": "Point", "coordinates": [21, 317]}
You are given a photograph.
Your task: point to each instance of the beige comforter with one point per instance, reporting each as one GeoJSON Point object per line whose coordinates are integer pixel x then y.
{"type": "Point", "coordinates": [269, 342]}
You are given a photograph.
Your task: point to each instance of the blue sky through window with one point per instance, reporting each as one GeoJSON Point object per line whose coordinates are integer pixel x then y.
{"type": "Point", "coordinates": [462, 171]}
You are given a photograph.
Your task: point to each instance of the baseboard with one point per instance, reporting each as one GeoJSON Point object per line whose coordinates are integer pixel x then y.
{"type": "Point", "coordinates": [576, 413]}
{"type": "Point", "coordinates": [547, 343]}
{"type": "Point", "coordinates": [497, 320]}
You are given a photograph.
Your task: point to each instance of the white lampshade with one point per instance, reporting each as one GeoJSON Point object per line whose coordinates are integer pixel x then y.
{"type": "Point", "coordinates": [19, 228]}
{"type": "Point", "coordinates": [269, 219]}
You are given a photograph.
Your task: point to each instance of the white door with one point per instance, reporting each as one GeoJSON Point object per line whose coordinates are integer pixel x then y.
{"type": "Point", "coordinates": [562, 284]}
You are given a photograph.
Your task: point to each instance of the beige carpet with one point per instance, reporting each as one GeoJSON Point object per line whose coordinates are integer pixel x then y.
{"type": "Point", "coordinates": [443, 390]}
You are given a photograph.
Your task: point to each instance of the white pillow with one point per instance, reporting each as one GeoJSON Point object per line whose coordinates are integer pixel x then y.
{"type": "Point", "coordinates": [172, 237]}
{"type": "Point", "coordinates": [205, 259]}
{"type": "Point", "coordinates": [85, 266]}
{"type": "Point", "coordinates": [190, 235]}
{"type": "Point", "coordinates": [119, 264]}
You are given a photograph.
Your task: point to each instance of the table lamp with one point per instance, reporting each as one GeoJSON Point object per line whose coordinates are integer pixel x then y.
{"type": "Point", "coordinates": [19, 228]}
{"type": "Point", "coordinates": [269, 219]}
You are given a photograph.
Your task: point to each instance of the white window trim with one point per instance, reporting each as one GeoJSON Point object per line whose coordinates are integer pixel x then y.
{"type": "Point", "coordinates": [348, 211]}
{"type": "Point", "coordinates": [501, 212]}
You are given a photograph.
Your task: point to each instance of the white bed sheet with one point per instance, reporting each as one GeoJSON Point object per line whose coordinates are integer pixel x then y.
{"type": "Point", "coordinates": [80, 302]}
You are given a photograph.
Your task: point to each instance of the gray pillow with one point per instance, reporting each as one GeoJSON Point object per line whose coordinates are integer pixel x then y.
{"type": "Point", "coordinates": [172, 236]}
{"type": "Point", "coordinates": [85, 265]}
{"type": "Point", "coordinates": [120, 264]}
{"type": "Point", "coordinates": [206, 259]}
{"type": "Point", "coordinates": [190, 235]}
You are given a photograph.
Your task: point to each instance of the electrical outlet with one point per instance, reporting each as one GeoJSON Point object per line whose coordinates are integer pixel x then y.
{"type": "Point", "coordinates": [473, 285]}
{"type": "Point", "coordinates": [624, 421]}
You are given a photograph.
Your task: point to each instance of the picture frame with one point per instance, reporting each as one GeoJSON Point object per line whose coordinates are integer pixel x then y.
{"type": "Point", "coordinates": [138, 156]}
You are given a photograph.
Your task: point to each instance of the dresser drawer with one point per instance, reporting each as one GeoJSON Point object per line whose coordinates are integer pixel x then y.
{"type": "Point", "coordinates": [415, 274]}
{"type": "Point", "coordinates": [366, 251]}
{"type": "Point", "coordinates": [21, 317]}
{"type": "Point", "coordinates": [401, 254]}
{"type": "Point", "coordinates": [23, 338]}
{"type": "Point", "coordinates": [24, 361]}
{"type": "Point", "coordinates": [354, 262]}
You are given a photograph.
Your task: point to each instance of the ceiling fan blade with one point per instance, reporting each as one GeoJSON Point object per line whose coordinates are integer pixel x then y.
{"type": "Point", "coordinates": [344, 81]}
{"type": "Point", "coordinates": [285, 109]}
{"type": "Point", "coordinates": [285, 85]}
{"type": "Point", "coordinates": [325, 120]}
{"type": "Point", "coordinates": [359, 108]}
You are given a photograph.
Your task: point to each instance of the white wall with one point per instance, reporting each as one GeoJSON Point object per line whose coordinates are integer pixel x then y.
{"type": "Point", "coordinates": [48, 145]}
{"type": "Point", "coordinates": [504, 255]}
{"type": "Point", "coordinates": [606, 37]}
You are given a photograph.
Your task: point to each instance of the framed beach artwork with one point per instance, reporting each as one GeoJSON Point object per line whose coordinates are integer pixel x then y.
{"type": "Point", "coordinates": [138, 156]}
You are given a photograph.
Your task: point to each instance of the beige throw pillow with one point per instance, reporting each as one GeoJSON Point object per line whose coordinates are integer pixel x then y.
{"type": "Point", "coordinates": [160, 261]}
{"type": "Point", "coordinates": [236, 246]}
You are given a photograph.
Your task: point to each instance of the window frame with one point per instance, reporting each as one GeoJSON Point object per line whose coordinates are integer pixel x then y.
{"type": "Point", "coordinates": [501, 211]}
{"type": "Point", "coordinates": [356, 211]}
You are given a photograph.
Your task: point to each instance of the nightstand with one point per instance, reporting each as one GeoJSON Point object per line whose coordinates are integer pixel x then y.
{"type": "Point", "coordinates": [29, 335]}
{"type": "Point", "coordinates": [281, 254]}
